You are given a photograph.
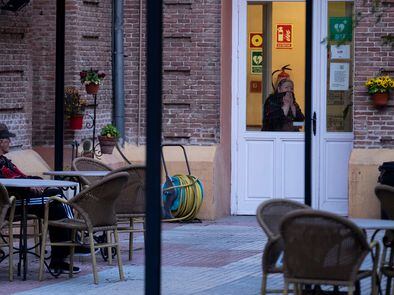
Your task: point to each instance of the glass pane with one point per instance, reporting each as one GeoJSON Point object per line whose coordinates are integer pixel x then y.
{"type": "Point", "coordinates": [276, 51]}
{"type": "Point", "coordinates": [340, 67]}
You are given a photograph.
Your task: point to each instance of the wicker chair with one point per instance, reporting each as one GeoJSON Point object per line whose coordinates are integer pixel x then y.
{"type": "Point", "coordinates": [269, 214]}
{"type": "Point", "coordinates": [130, 206]}
{"type": "Point", "coordinates": [322, 248]}
{"type": "Point", "coordinates": [7, 203]}
{"type": "Point", "coordinates": [385, 194]}
{"type": "Point", "coordinates": [96, 206]}
{"type": "Point", "coordinates": [89, 164]}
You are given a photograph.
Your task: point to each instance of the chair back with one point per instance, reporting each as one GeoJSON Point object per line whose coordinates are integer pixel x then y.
{"type": "Point", "coordinates": [270, 213]}
{"type": "Point", "coordinates": [96, 203]}
{"type": "Point", "coordinates": [321, 246]}
{"type": "Point", "coordinates": [132, 197]}
{"type": "Point", "coordinates": [385, 194]}
{"type": "Point", "coordinates": [89, 164]}
{"type": "Point", "coordinates": [4, 204]}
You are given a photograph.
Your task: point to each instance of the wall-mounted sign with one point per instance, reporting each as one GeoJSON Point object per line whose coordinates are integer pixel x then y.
{"type": "Point", "coordinates": [340, 51]}
{"type": "Point", "coordinates": [255, 40]}
{"type": "Point", "coordinates": [284, 36]}
{"type": "Point", "coordinates": [339, 76]}
{"type": "Point", "coordinates": [256, 61]}
{"type": "Point", "coordinates": [341, 28]}
{"type": "Point", "coordinates": [255, 86]}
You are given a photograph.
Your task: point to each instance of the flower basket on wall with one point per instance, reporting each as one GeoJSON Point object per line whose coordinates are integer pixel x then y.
{"type": "Point", "coordinates": [379, 88]}
{"type": "Point", "coordinates": [76, 122]}
{"type": "Point", "coordinates": [380, 99]}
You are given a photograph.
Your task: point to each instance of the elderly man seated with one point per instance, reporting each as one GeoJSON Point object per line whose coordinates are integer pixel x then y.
{"type": "Point", "coordinates": [36, 206]}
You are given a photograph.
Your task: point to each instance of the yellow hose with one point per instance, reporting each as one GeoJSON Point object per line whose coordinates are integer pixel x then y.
{"type": "Point", "coordinates": [190, 194]}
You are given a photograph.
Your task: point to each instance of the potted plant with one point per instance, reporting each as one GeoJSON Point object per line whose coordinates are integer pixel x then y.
{"type": "Point", "coordinates": [92, 80]}
{"type": "Point", "coordinates": [108, 136]}
{"type": "Point", "coordinates": [379, 88]}
{"type": "Point", "coordinates": [74, 107]}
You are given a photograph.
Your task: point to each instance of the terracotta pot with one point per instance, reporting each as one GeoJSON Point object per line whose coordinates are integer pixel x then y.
{"type": "Point", "coordinates": [107, 144]}
{"type": "Point", "coordinates": [76, 122]}
{"type": "Point", "coordinates": [380, 99]}
{"type": "Point", "coordinates": [92, 88]}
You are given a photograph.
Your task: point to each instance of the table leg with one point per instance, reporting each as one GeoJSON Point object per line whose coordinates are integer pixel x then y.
{"type": "Point", "coordinates": [24, 234]}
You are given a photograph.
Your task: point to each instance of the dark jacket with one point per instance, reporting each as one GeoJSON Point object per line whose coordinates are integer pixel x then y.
{"type": "Point", "coordinates": [273, 117]}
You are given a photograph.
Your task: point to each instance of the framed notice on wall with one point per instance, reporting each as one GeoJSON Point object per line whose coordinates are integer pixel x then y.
{"type": "Point", "coordinates": [339, 76]}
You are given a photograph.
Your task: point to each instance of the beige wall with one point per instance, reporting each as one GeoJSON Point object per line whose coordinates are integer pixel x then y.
{"type": "Point", "coordinates": [363, 175]}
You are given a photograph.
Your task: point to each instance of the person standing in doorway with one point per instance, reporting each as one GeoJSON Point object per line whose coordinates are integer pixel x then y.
{"type": "Point", "coordinates": [281, 109]}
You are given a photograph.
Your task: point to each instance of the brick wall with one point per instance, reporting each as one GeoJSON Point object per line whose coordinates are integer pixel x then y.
{"type": "Point", "coordinates": [372, 128]}
{"type": "Point", "coordinates": [191, 71]}
{"type": "Point", "coordinates": [16, 74]}
{"type": "Point", "coordinates": [191, 75]}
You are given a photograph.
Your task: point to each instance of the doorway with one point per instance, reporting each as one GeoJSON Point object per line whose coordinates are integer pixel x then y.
{"type": "Point", "coordinates": [268, 155]}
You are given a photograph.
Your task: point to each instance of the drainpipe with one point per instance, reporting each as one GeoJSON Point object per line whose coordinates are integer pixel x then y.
{"type": "Point", "coordinates": [139, 76]}
{"type": "Point", "coordinates": [118, 66]}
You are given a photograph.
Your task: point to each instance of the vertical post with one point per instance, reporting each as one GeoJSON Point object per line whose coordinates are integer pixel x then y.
{"type": "Point", "coordinates": [153, 146]}
{"type": "Point", "coordinates": [118, 65]}
{"type": "Point", "coordinates": [308, 102]}
{"type": "Point", "coordinates": [59, 83]}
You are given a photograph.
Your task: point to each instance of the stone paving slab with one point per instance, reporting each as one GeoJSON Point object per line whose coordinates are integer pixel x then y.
{"type": "Point", "coordinates": [218, 258]}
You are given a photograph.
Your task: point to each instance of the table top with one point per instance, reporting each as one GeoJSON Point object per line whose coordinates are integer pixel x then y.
{"type": "Point", "coordinates": [369, 223]}
{"type": "Point", "coordinates": [25, 182]}
{"type": "Point", "coordinates": [77, 173]}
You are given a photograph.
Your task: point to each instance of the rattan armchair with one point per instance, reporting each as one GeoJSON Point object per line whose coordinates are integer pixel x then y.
{"type": "Point", "coordinates": [96, 208]}
{"type": "Point", "coordinates": [130, 206]}
{"type": "Point", "coordinates": [89, 164]}
{"type": "Point", "coordinates": [269, 215]}
{"type": "Point", "coordinates": [7, 204]}
{"type": "Point", "coordinates": [321, 248]}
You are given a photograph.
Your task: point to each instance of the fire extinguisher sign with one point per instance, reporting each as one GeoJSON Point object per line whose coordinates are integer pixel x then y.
{"type": "Point", "coordinates": [284, 36]}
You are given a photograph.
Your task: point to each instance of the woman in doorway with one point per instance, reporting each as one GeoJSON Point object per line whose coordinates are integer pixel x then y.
{"type": "Point", "coordinates": [281, 109]}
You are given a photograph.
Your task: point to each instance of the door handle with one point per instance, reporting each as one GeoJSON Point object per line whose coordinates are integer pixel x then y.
{"type": "Point", "coordinates": [314, 123]}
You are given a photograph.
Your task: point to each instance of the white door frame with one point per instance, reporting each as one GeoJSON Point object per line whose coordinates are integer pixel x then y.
{"type": "Point", "coordinates": [319, 90]}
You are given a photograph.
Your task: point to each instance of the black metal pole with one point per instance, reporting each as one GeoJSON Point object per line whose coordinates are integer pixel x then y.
{"type": "Point", "coordinates": [59, 83]}
{"type": "Point", "coordinates": [153, 146]}
{"type": "Point", "coordinates": [308, 103]}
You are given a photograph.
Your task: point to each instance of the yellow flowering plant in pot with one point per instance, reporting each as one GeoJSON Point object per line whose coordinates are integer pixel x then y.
{"type": "Point", "coordinates": [108, 136]}
{"type": "Point", "coordinates": [379, 88]}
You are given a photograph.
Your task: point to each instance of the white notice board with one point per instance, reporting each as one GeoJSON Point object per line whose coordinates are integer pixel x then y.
{"type": "Point", "coordinates": [339, 76]}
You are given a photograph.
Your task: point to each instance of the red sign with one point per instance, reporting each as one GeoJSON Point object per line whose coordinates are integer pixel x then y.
{"type": "Point", "coordinates": [255, 86]}
{"type": "Point", "coordinates": [284, 36]}
{"type": "Point", "coordinates": [255, 40]}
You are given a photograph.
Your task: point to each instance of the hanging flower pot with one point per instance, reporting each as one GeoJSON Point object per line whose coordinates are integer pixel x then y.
{"type": "Point", "coordinates": [76, 122]}
{"type": "Point", "coordinates": [107, 144]}
{"type": "Point", "coordinates": [92, 88]}
{"type": "Point", "coordinates": [380, 99]}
